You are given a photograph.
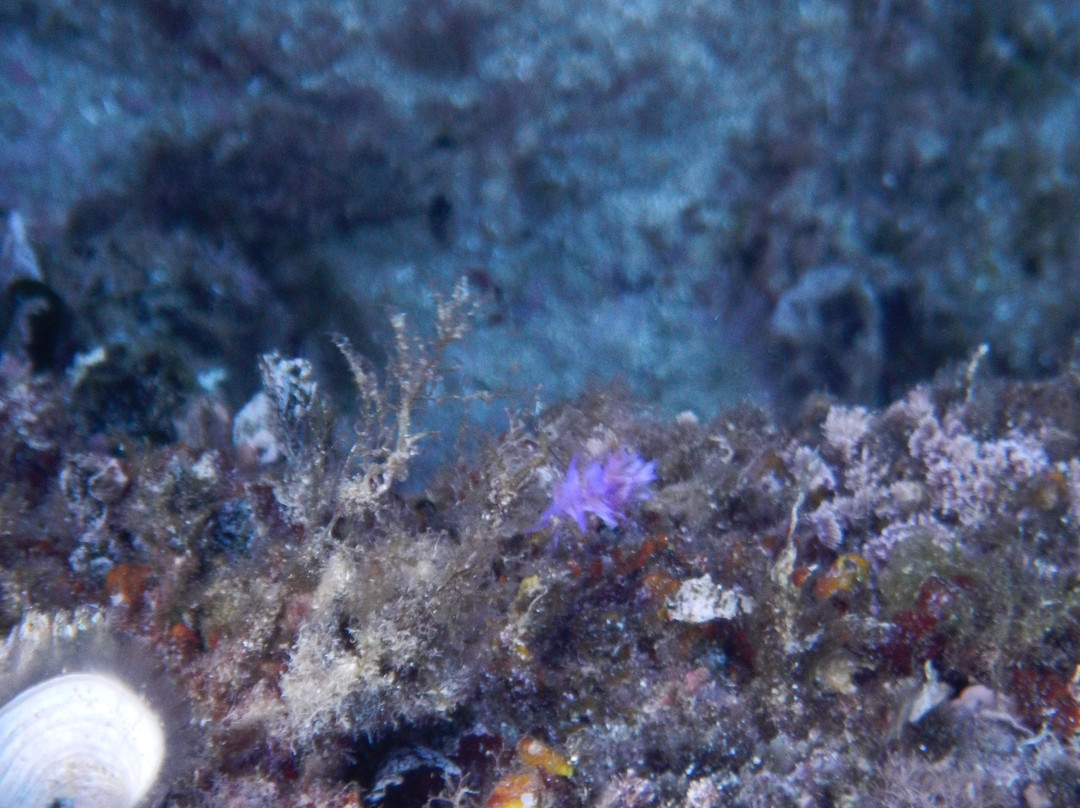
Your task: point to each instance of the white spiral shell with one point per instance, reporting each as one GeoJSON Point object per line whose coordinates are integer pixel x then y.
{"type": "Point", "coordinates": [85, 740]}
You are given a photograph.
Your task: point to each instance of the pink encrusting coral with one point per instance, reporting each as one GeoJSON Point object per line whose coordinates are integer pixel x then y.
{"type": "Point", "coordinates": [604, 488]}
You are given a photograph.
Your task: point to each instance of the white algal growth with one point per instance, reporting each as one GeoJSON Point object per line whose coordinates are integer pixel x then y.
{"type": "Point", "coordinates": [699, 600]}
